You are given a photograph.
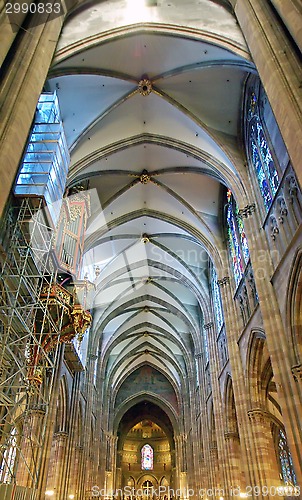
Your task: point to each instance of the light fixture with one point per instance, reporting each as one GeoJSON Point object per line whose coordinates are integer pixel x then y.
{"type": "Point", "coordinates": [71, 496]}
{"type": "Point", "coordinates": [49, 493]}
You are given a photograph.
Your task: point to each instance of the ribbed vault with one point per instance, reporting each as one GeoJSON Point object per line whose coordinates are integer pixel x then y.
{"type": "Point", "coordinates": [152, 123]}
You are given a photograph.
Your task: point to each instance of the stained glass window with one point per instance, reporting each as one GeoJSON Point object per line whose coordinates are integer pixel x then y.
{"type": "Point", "coordinates": [9, 457]}
{"type": "Point", "coordinates": [261, 155]}
{"type": "Point", "coordinates": [287, 469]}
{"type": "Point", "coordinates": [217, 302]}
{"type": "Point", "coordinates": [237, 241]}
{"type": "Point", "coordinates": [147, 457]}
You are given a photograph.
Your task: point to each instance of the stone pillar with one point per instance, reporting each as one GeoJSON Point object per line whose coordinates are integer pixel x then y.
{"type": "Point", "coordinates": [219, 475]}
{"type": "Point", "coordinates": [233, 331]}
{"type": "Point", "coordinates": [234, 459]}
{"type": "Point", "coordinates": [278, 67]}
{"type": "Point", "coordinates": [30, 449]}
{"type": "Point", "coordinates": [74, 481]}
{"type": "Point", "coordinates": [216, 482]}
{"type": "Point", "coordinates": [110, 464]}
{"type": "Point", "coordinates": [72, 441]}
{"type": "Point", "coordinates": [266, 462]}
{"type": "Point", "coordinates": [183, 484]}
{"type": "Point", "coordinates": [287, 377]}
{"type": "Point", "coordinates": [179, 459]}
{"type": "Point", "coordinates": [57, 458]}
{"type": "Point", "coordinates": [22, 82]}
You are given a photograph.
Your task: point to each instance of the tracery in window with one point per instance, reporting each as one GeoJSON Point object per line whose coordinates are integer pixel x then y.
{"type": "Point", "coordinates": [237, 241]}
{"type": "Point", "coordinates": [9, 458]}
{"type": "Point", "coordinates": [287, 468]}
{"type": "Point", "coordinates": [147, 457]}
{"type": "Point", "coordinates": [261, 155]}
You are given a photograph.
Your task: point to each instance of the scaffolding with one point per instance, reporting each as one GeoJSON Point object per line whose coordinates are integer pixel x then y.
{"type": "Point", "coordinates": [37, 313]}
{"type": "Point", "coordinates": [32, 318]}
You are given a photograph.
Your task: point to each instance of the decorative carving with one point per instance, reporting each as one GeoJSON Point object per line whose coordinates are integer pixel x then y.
{"type": "Point", "coordinates": [251, 281]}
{"type": "Point", "coordinates": [297, 372]}
{"type": "Point", "coordinates": [222, 348]}
{"type": "Point", "coordinates": [248, 210]}
{"type": "Point", "coordinates": [145, 177]}
{"type": "Point", "coordinates": [258, 416]}
{"type": "Point", "coordinates": [81, 320]}
{"type": "Point", "coordinates": [71, 319]}
{"type": "Point", "coordinates": [35, 375]}
{"type": "Point", "coordinates": [145, 87]}
{"type": "Point", "coordinates": [292, 187]}
{"type": "Point", "coordinates": [145, 238]}
{"type": "Point", "coordinates": [282, 209]}
{"type": "Point", "coordinates": [209, 325]}
{"type": "Point", "coordinates": [274, 228]}
{"type": "Point", "coordinates": [224, 281]}
{"type": "Point", "coordinates": [231, 435]}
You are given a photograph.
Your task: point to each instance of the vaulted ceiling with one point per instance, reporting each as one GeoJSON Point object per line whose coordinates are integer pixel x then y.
{"type": "Point", "coordinates": [151, 101]}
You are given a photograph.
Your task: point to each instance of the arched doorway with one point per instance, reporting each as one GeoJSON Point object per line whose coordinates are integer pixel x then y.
{"type": "Point", "coordinates": [145, 453]}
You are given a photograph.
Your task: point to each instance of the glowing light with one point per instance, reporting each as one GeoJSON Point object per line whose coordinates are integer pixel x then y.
{"type": "Point", "coordinates": [136, 11]}
{"type": "Point", "coordinates": [243, 495]}
{"type": "Point", "coordinates": [49, 493]}
{"type": "Point", "coordinates": [71, 496]}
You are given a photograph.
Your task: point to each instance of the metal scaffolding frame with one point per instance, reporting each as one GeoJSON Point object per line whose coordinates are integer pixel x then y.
{"type": "Point", "coordinates": [30, 326]}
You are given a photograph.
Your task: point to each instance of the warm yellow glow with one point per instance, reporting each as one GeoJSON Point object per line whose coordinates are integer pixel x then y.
{"type": "Point", "coordinates": [49, 493]}
{"type": "Point", "coordinates": [243, 495]}
{"type": "Point", "coordinates": [71, 496]}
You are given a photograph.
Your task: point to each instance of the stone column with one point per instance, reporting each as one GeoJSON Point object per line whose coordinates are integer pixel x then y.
{"type": "Point", "coordinates": [216, 481]}
{"type": "Point", "coordinates": [67, 469]}
{"type": "Point", "coordinates": [219, 475]}
{"type": "Point", "coordinates": [287, 377]}
{"type": "Point", "coordinates": [183, 484]}
{"type": "Point", "coordinates": [266, 463]}
{"type": "Point", "coordinates": [278, 67]}
{"type": "Point", "coordinates": [30, 454]}
{"type": "Point", "coordinates": [234, 455]}
{"type": "Point", "coordinates": [110, 463]}
{"type": "Point", "coordinates": [233, 330]}
{"type": "Point", "coordinates": [22, 82]}
{"type": "Point", "coordinates": [179, 459]}
{"type": "Point", "coordinates": [57, 458]}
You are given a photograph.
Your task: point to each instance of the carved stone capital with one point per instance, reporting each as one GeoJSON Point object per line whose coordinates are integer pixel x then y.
{"type": "Point", "coordinates": [213, 448]}
{"type": "Point", "coordinates": [258, 415]}
{"type": "Point", "coordinates": [198, 355]}
{"type": "Point", "coordinates": [209, 325]}
{"type": "Point", "coordinates": [231, 435]}
{"type": "Point", "coordinates": [224, 281]}
{"type": "Point", "coordinates": [93, 357]}
{"type": "Point", "coordinates": [297, 372]}
{"type": "Point", "coordinates": [60, 436]}
{"type": "Point", "coordinates": [248, 210]}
